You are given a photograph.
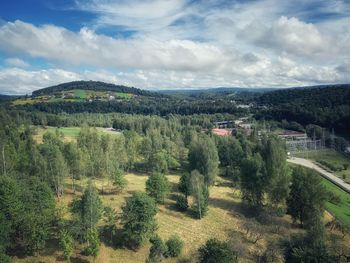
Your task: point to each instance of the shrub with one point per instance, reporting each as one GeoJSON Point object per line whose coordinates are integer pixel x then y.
{"type": "Point", "coordinates": [157, 250]}
{"type": "Point", "coordinates": [175, 245]}
{"type": "Point", "coordinates": [181, 202]}
{"type": "Point", "coordinates": [215, 251]}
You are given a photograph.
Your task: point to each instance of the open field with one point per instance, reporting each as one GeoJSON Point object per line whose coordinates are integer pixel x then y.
{"type": "Point", "coordinates": [76, 95]}
{"type": "Point", "coordinates": [225, 218]}
{"type": "Point", "coordinates": [331, 157]}
{"type": "Point", "coordinates": [70, 133]}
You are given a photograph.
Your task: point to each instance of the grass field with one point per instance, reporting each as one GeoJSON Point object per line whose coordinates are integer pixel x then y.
{"type": "Point", "coordinates": [70, 133]}
{"type": "Point", "coordinates": [224, 219]}
{"type": "Point", "coordinates": [341, 211]}
{"type": "Point", "coordinates": [329, 156]}
{"type": "Point", "coordinates": [123, 95]}
{"type": "Point", "coordinates": [81, 94]}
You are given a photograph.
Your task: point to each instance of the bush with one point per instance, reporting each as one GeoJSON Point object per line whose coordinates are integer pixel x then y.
{"type": "Point", "coordinates": [175, 245]}
{"type": "Point", "coordinates": [215, 251]}
{"type": "Point", "coordinates": [157, 251]}
{"type": "Point", "coordinates": [181, 202]}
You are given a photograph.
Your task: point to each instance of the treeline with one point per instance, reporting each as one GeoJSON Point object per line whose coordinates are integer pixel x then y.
{"type": "Point", "coordinates": [94, 85]}
{"type": "Point", "coordinates": [327, 106]}
{"type": "Point", "coordinates": [140, 105]}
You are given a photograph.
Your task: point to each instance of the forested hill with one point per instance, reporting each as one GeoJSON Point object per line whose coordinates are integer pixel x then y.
{"type": "Point", "coordinates": [95, 86]}
{"type": "Point", "coordinates": [328, 106]}
{"type": "Point", "coordinates": [321, 96]}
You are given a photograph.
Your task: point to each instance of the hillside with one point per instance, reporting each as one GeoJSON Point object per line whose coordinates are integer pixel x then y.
{"type": "Point", "coordinates": [94, 86]}
{"type": "Point", "coordinates": [328, 106]}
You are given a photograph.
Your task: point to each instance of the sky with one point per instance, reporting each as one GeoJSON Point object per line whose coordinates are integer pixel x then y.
{"type": "Point", "coordinates": [168, 44]}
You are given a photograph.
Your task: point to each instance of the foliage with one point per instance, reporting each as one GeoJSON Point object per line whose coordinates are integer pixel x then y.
{"type": "Point", "coordinates": [119, 180]}
{"type": "Point", "coordinates": [215, 251]}
{"type": "Point", "coordinates": [181, 202]}
{"type": "Point", "coordinates": [138, 219]}
{"type": "Point", "coordinates": [157, 250]}
{"type": "Point", "coordinates": [203, 156]}
{"type": "Point", "coordinates": [93, 242]}
{"type": "Point", "coordinates": [174, 245]}
{"type": "Point", "coordinates": [253, 180]}
{"type": "Point", "coordinates": [307, 195]}
{"type": "Point", "coordinates": [200, 193]}
{"type": "Point", "coordinates": [88, 210]}
{"type": "Point", "coordinates": [67, 244]}
{"type": "Point", "coordinates": [157, 186]}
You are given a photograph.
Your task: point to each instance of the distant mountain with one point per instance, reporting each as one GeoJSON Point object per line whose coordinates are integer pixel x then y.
{"type": "Point", "coordinates": [92, 85]}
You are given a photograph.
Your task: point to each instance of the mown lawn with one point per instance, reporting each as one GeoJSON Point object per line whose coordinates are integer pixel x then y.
{"type": "Point", "coordinates": [329, 156]}
{"type": "Point", "coordinates": [341, 211]}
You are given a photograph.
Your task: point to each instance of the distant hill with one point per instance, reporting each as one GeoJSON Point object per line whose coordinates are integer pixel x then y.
{"type": "Point", "coordinates": [7, 97]}
{"type": "Point", "coordinates": [320, 96]}
{"type": "Point", "coordinates": [225, 90]}
{"type": "Point", "coordinates": [92, 85]}
{"type": "Point", "coordinates": [326, 105]}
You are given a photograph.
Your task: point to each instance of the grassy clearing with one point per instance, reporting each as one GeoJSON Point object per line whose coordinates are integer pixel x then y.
{"type": "Point", "coordinates": [225, 217]}
{"type": "Point", "coordinates": [332, 157]}
{"type": "Point", "coordinates": [70, 134]}
{"type": "Point", "coordinates": [341, 211]}
{"type": "Point", "coordinates": [123, 95]}
{"type": "Point", "coordinates": [79, 93]}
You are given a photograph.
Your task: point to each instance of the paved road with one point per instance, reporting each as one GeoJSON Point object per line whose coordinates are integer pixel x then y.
{"type": "Point", "coordinates": [331, 177]}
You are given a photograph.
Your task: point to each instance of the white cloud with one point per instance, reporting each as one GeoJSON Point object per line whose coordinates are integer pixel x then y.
{"type": "Point", "coordinates": [17, 62]}
{"type": "Point", "coordinates": [182, 43]}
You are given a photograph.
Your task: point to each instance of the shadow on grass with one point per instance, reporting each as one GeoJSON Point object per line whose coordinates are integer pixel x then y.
{"type": "Point", "coordinates": [110, 239]}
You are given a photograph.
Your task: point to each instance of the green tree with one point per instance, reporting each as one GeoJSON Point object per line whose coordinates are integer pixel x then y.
{"type": "Point", "coordinates": [119, 181]}
{"type": "Point", "coordinates": [67, 244]}
{"type": "Point", "coordinates": [203, 156]}
{"type": "Point", "coordinates": [110, 217]}
{"type": "Point", "coordinates": [253, 181]}
{"type": "Point", "coordinates": [215, 251]}
{"type": "Point", "coordinates": [88, 210]}
{"type": "Point", "coordinates": [277, 173]}
{"type": "Point", "coordinates": [200, 194]}
{"type": "Point", "coordinates": [138, 219]}
{"type": "Point", "coordinates": [93, 242]}
{"type": "Point", "coordinates": [157, 186]}
{"type": "Point", "coordinates": [307, 195]}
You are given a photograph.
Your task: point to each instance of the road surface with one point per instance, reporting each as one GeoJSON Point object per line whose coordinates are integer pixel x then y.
{"type": "Point", "coordinates": [331, 177]}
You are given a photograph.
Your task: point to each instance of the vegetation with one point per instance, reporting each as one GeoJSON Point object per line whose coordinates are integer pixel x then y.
{"type": "Point", "coordinates": [215, 251]}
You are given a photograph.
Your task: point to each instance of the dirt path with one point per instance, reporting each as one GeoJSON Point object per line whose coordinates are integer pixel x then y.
{"type": "Point", "coordinates": [331, 177]}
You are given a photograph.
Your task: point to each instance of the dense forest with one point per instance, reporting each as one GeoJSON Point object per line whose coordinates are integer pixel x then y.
{"type": "Point", "coordinates": [327, 106]}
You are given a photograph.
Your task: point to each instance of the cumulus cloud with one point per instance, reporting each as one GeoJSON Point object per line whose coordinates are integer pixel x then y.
{"type": "Point", "coordinates": [183, 43]}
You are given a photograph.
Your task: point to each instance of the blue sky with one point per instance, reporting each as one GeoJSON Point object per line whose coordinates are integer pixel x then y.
{"type": "Point", "coordinates": [166, 44]}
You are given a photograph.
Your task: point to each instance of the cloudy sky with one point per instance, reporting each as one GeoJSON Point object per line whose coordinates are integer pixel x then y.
{"type": "Point", "coordinates": [163, 44]}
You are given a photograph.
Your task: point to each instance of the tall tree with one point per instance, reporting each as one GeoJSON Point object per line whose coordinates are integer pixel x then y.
{"type": "Point", "coordinates": [203, 156]}
{"type": "Point", "coordinates": [88, 210]}
{"type": "Point", "coordinates": [157, 186]}
{"type": "Point", "coordinates": [274, 154]}
{"type": "Point", "coordinates": [138, 219]}
{"type": "Point", "coordinates": [307, 195]}
{"type": "Point", "coordinates": [253, 180]}
{"type": "Point", "coordinates": [200, 193]}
